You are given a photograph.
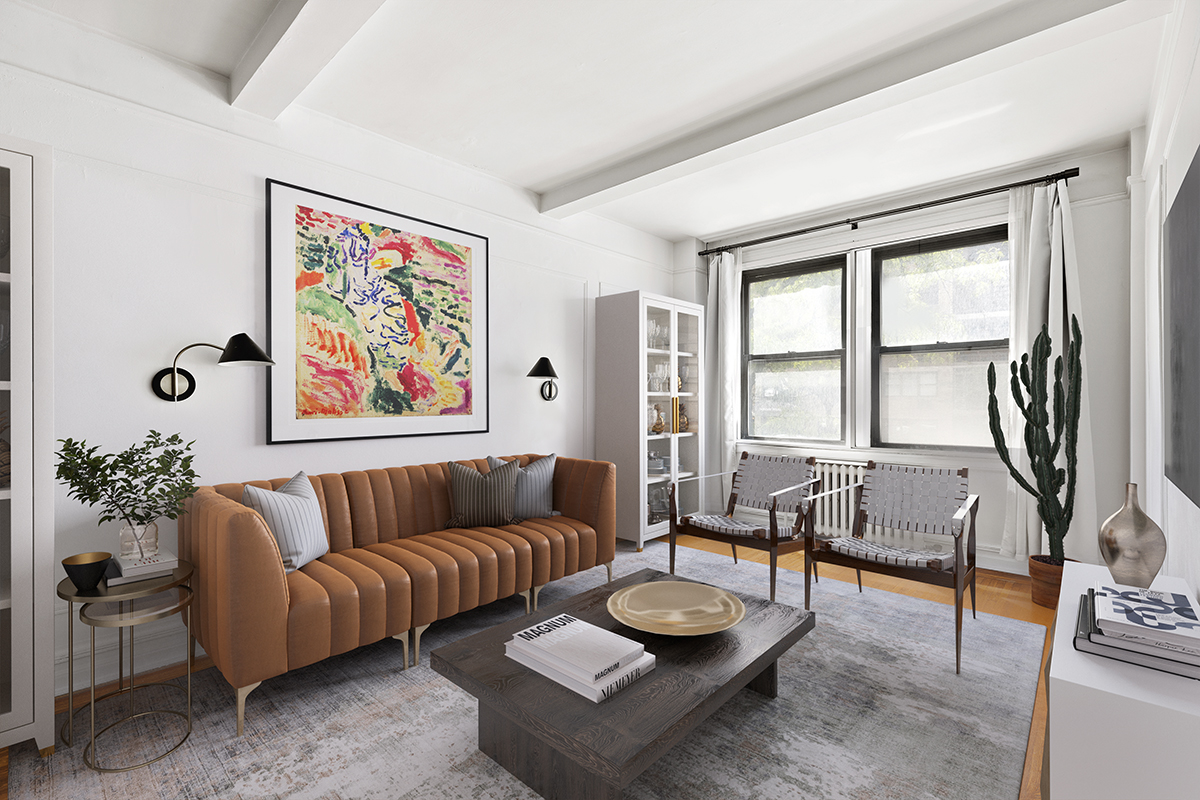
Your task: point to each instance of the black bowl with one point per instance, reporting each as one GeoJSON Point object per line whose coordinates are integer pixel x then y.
{"type": "Point", "coordinates": [86, 569]}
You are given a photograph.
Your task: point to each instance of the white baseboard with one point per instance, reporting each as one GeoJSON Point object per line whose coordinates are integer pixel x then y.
{"type": "Point", "coordinates": [156, 644]}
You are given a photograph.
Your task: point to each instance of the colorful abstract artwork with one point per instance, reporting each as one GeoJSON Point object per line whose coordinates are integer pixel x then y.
{"type": "Point", "coordinates": [385, 313]}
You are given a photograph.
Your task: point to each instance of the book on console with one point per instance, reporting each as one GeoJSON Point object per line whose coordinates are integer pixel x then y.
{"type": "Point", "coordinates": [1087, 640]}
{"type": "Point", "coordinates": [163, 560]}
{"type": "Point", "coordinates": [603, 689]}
{"type": "Point", "coordinates": [129, 570]}
{"type": "Point", "coordinates": [583, 651]}
{"type": "Point", "coordinates": [1147, 615]}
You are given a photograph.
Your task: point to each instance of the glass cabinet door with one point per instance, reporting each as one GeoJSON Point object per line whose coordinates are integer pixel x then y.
{"type": "Point", "coordinates": [16, 437]}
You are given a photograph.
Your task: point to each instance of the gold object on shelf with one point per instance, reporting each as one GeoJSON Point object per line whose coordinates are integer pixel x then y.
{"type": "Point", "coordinates": [676, 608]}
{"type": "Point", "coordinates": [659, 424]}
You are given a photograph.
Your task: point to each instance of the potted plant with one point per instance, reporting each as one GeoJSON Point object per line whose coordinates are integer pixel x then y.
{"type": "Point", "coordinates": [138, 485]}
{"type": "Point", "coordinates": [1044, 437]}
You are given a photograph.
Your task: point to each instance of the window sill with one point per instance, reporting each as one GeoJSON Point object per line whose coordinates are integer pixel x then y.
{"type": "Point", "coordinates": [972, 458]}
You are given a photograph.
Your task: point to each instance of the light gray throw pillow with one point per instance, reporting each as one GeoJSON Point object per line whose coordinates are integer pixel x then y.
{"type": "Point", "coordinates": [293, 515]}
{"type": "Point", "coordinates": [482, 500]}
{"type": "Point", "coordinates": [535, 487]}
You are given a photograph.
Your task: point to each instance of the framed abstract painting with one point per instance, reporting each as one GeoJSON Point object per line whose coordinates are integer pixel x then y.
{"type": "Point", "coordinates": [378, 322]}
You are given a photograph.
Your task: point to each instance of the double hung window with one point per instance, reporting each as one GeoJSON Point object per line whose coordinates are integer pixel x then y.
{"type": "Point", "coordinates": [940, 316]}
{"type": "Point", "coordinates": [794, 351]}
{"type": "Point", "coordinates": [931, 314]}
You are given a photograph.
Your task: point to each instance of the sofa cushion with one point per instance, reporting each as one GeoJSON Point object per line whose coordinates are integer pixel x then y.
{"type": "Point", "coordinates": [535, 488]}
{"type": "Point", "coordinates": [482, 500]}
{"type": "Point", "coordinates": [293, 515]}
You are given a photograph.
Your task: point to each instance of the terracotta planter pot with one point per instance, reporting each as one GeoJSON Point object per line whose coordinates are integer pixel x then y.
{"type": "Point", "coordinates": [1045, 579]}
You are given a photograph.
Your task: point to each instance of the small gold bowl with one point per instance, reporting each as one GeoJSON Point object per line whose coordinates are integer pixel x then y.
{"type": "Point", "coordinates": [86, 569]}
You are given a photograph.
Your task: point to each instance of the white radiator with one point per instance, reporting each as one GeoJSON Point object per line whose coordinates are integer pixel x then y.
{"type": "Point", "coordinates": [834, 514]}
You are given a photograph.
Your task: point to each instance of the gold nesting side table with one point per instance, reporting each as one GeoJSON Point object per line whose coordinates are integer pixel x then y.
{"type": "Point", "coordinates": [122, 607]}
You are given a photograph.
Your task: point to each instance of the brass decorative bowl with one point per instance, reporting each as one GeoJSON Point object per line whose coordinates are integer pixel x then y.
{"type": "Point", "coordinates": [86, 569]}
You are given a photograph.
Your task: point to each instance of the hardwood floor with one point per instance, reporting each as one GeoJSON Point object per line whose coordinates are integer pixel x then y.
{"type": "Point", "coordinates": [999, 593]}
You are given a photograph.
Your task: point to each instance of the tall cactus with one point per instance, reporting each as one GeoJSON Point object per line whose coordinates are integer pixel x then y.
{"type": "Point", "coordinates": [1042, 441]}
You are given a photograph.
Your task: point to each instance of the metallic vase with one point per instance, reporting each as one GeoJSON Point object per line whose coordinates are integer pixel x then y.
{"type": "Point", "coordinates": [1132, 545]}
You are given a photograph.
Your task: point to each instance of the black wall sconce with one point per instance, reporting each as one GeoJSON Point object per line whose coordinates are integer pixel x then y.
{"type": "Point", "coordinates": [174, 383]}
{"type": "Point", "coordinates": [543, 369]}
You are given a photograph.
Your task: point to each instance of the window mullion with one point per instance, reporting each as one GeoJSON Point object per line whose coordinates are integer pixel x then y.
{"type": "Point", "coordinates": [860, 393]}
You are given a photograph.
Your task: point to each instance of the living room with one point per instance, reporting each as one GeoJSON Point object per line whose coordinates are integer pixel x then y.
{"type": "Point", "coordinates": [598, 149]}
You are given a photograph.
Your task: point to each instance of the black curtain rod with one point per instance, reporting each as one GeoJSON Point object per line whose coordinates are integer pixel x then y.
{"type": "Point", "coordinates": [853, 221]}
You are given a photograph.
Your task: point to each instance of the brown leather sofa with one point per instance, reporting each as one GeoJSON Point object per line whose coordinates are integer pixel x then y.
{"type": "Point", "coordinates": [391, 569]}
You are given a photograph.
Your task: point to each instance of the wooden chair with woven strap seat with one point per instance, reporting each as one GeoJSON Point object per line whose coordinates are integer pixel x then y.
{"type": "Point", "coordinates": [775, 484]}
{"type": "Point", "coordinates": [917, 500]}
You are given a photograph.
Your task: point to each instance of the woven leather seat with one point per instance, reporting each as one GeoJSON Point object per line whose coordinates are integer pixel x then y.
{"type": "Point", "coordinates": [888, 554]}
{"type": "Point", "coordinates": [775, 484]}
{"type": "Point", "coordinates": [719, 523]}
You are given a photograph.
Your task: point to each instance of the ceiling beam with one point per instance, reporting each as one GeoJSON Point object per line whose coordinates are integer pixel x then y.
{"type": "Point", "coordinates": [293, 46]}
{"type": "Point", "coordinates": [809, 107]}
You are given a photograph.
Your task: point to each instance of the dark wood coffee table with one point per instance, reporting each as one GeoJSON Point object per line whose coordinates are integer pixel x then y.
{"type": "Point", "coordinates": [567, 747]}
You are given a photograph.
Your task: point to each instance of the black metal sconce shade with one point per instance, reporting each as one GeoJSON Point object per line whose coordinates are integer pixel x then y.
{"type": "Point", "coordinates": [544, 369]}
{"type": "Point", "coordinates": [174, 383]}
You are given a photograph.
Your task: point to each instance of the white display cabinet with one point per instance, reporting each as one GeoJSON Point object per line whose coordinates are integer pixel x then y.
{"type": "Point", "coordinates": [650, 406]}
{"type": "Point", "coordinates": [26, 453]}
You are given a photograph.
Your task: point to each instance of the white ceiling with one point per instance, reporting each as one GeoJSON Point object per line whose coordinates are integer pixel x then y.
{"type": "Point", "coordinates": [683, 117]}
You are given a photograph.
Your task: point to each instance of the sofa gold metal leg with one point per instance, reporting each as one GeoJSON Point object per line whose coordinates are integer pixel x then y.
{"type": "Point", "coordinates": [536, 590]}
{"type": "Point", "coordinates": [528, 595]}
{"type": "Point", "coordinates": [416, 632]}
{"type": "Point", "coordinates": [403, 638]}
{"type": "Point", "coordinates": [241, 703]}
{"type": "Point", "coordinates": [609, 565]}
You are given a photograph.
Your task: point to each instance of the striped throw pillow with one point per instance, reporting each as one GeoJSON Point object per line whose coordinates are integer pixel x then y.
{"type": "Point", "coordinates": [535, 488]}
{"type": "Point", "coordinates": [293, 515]}
{"type": "Point", "coordinates": [478, 499]}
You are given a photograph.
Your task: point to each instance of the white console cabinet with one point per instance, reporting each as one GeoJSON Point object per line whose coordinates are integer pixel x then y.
{"type": "Point", "coordinates": [1117, 730]}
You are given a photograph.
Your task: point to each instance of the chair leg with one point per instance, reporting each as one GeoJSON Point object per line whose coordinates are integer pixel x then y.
{"type": "Point", "coordinates": [810, 568]}
{"type": "Point", "coordinates": [858, 574]}
{"type": "Point", "coordinates": [242, 691]}
{"type": "Point", "coordinates": [973, 605]}
{"type": "Point", "coordinates": [416, 632]}
{"type": "Point", "coordinates": [816, 577]}
{"type": "Point", "coordinates": [671, 540]}
{"type": "Point", "coordinates": [774, 558]}
{"type": "Point", "coordinates": [403, 639]}
{"type": "Point", "coordinates": [959, 590]}
{"type": "Point", "coordinates": [734, 546]}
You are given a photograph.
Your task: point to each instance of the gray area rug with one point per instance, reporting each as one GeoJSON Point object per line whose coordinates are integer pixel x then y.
{"type": "Point", "coordinates": [869, 707]}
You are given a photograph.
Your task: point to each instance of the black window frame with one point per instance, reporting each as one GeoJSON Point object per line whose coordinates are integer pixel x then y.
{"type": "Point", "coordinates": [821, 264]}
{"type": "Point", "coordinates": [995, 233]}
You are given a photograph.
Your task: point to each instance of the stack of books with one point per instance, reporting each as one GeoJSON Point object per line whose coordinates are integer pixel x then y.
{"type": "Point", "coordinates": [584, 658]}
{"type": "Point", "coordinates": [1154, 629]}
{"type": "Point", "coordinates": [127, 570]}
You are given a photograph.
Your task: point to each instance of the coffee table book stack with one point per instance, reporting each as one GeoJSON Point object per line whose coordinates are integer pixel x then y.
{"type": "Point", "coordinates": [128, 570]}
{"type": "Point", "coordinates": [587, 659]}
{"type": "Point", "coordinates": [1150, 628]}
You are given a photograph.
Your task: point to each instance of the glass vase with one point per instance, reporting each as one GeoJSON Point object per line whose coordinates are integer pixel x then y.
{"type": "Point", "coordinates": [1133, 546]}
{"type": "Point", "coordinates": [139, 541]}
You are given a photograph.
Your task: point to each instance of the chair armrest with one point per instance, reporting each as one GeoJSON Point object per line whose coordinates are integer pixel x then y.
{"type": "Point", "coordinates": [808, 482]}
{"type": "Point", "coordinates": [702, 477]}
{"type": "Point", "coordinates": [834, 491]}
{"type": "Point", "coordinates": [970, 506]}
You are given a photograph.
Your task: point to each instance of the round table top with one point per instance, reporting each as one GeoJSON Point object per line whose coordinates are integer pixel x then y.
{"type": "Point", "coordinates": [126, 613]}
{"type": "Point", "coordinates": [126, 591]}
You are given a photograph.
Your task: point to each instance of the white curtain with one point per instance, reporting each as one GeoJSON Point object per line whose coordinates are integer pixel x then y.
{"type": "Point", "coordinates": [724, 328]}
{"type": "Point", "coordinates": [1044, 291]}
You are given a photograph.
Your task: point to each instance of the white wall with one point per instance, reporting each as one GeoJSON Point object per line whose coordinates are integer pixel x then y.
{"type": "Point", "coordinates": [159, 237]}
{"type": "Point", "coordinates": [1100, 206]}
{"type": "Point", "coordinates": [1173, 139]}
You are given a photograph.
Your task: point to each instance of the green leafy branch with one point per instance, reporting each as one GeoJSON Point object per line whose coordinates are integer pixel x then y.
{"type": "Point", "coordinates": [138, 485]}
